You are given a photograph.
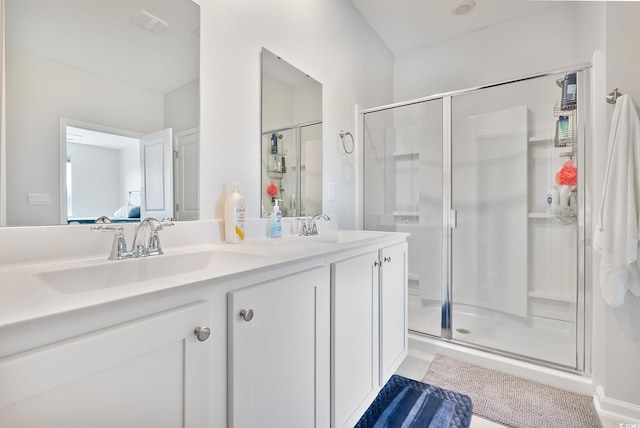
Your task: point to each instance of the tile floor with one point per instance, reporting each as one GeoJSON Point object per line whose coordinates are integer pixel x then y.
{"type": "Point", "coordinates": [415, 367]}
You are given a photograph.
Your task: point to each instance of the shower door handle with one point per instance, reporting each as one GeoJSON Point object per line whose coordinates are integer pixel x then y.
{"type": "Point", "coordinates": [453, 219]}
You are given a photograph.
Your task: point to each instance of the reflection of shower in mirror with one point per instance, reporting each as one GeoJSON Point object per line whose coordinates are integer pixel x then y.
{"type": "Point", "coordinates": [291, 144]}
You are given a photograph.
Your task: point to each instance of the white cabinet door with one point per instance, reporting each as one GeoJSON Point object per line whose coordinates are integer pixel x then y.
{"type": "Point", "coordinates": [393, 309]}
{"type": "Point", "coordinates": [279, 352]}
{"type": "Point", "coordinates": [354, 328]}
{"type": "Point", "coordinates": [152, 372]}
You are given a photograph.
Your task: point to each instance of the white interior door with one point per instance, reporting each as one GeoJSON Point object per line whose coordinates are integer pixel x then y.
{"type": "Point", "coordinates": [156, 164]}
{"type": "Point", "coordinates": [187, 164]}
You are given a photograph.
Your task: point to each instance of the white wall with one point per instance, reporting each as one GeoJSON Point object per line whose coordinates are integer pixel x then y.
{"type": "Point", "coordinates": [34, 107]}
{"type": "Point", "coordinates": [182, 107]}
{"type": "Point", "coordinates": [277, 103]}
{"type": "Point", "coordinates": [95, 173]}
{"type": "Point", "coordinates": [619, 343]}
{"type": "Point", "coordinates": [307, 101]}
{"type": "Point", "coordinates": [538, 42]}
{"type": "Point", "coordinates": [130, 176]}
{"type": "Point", "coordinates": [327, 39]}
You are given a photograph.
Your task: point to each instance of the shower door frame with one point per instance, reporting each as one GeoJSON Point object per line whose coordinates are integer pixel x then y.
{"type": "Point", "coordinates": [449, 215]}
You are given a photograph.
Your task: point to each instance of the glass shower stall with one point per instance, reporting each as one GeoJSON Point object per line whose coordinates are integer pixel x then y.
{"type": "Point", "coordinates": [490, 183]}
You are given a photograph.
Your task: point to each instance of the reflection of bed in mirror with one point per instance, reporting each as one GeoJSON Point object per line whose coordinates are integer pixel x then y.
{"type": "Point", "coordinates": [129, 213]}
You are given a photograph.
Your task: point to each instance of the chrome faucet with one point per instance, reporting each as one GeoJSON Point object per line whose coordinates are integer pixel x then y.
{"type": "Point", "coordinates": [146, 241]}
{"type": "Point", "coordinates": [312, 229]}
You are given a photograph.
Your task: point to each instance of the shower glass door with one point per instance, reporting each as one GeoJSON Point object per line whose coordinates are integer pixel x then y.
{"type": "Point", "coordinates": [403, 192]}
{"type": "Point", "coordinates": [514, 251]}
{"type": "Point", "coordinates": [489, 182]}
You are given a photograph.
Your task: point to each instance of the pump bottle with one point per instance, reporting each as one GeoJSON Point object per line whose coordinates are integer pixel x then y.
{"type": "Point", "coordinates": [275, 222]}
{"type": "Point", "coordinates": [234, 216]}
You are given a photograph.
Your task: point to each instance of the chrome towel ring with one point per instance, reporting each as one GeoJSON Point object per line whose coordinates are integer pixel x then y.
{"type": "Point", "coordinates": [353, 143]}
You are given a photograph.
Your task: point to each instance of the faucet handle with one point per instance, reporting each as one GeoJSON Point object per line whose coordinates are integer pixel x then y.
{"type": "Point", "coordinates": [103, 219]}
{"type": "Point", "coordinates": [303, 228]}
{"type": "Point", "coordinates": [106, 228]}
{"type": "Point", "coordinates": [168, 221]}
{"type": "Point", "coordinates": [154, 244]}
{"type": "Point", "coordinates": [119, 244]}
{"type": "Point", "coordinates": [154, 240]}
{"type": "Point", "coordinates": [119, 247]}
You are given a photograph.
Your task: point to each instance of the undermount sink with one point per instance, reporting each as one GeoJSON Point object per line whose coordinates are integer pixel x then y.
{"type": "Point", "coordinates": [123, 272]}
{"type": "Point", "coordinates": [301, 242]}
{"type": "Point", "coordinates": [340, 236]}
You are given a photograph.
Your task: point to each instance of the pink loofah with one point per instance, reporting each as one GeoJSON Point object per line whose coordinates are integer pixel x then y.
{"type": "Point", "coordinates": [568, 174]}
{"type": "Point", "coordinates": [272, 190]}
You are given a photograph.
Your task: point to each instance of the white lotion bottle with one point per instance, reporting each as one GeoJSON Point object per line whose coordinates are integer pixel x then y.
{"type": "Point", "coordinates": [275, 222]}
{"type": "Point", "coordinates": [234, 216]}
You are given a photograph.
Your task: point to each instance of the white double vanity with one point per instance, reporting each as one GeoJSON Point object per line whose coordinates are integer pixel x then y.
{"type": "Point", "coordinates": [291, 332]}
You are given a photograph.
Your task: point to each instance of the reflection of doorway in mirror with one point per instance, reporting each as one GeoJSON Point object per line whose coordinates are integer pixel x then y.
{"type": "Point", "coordinates": [102, 174]}
{"type": "Point", "coordinates": [187, 171]}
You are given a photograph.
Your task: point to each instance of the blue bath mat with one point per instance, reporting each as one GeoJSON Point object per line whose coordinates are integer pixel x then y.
{"type": "Point", "coordinates": [408, 403]}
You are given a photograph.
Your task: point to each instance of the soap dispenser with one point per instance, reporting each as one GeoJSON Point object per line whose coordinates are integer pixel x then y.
{"type": "Point", "coordinates": [275, 223]}
{"type": "Point", "coordinates": [234, 211]}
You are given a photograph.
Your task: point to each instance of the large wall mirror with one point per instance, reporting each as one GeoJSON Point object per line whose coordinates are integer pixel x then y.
{"type": "Point", "coordinates": [291, 143]}
{"type": "Point", "coordinates": [101, 110]}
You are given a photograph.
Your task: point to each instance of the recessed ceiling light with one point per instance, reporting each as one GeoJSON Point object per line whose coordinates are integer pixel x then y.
{"type": "Point", "coordinates": [460, 7]}
{"type": "Point", "coordinates": [149, 22]}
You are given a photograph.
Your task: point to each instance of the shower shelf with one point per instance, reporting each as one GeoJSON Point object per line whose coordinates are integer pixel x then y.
{"type": "Point", "coordinates": [540, 215]}
{"type": "Point", "coordinates": [276, 174]}
{"type": "Point", "coordinates": [406, 154]}
{"type": "Point", "coordinates": [406, 214]}
{"type": "Point", "coordinates": [552, 295]}
{"type": "Point", "coordinates": [539, 139]}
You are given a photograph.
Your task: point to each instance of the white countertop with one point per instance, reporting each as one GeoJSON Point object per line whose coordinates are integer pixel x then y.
{"type": "Point", "coordinates": [26, 295]}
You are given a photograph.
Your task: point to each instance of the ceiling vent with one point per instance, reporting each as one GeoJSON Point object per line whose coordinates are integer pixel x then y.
{"type": "Point", "coordinates": [460, 7]}
{"type": "Point", "coordinates": [149, 22]}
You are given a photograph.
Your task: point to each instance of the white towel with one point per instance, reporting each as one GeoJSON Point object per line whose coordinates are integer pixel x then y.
{"type": "Point", "coordinates": [618, 229]}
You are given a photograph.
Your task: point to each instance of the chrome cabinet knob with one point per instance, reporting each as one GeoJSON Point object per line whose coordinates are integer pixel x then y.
{"type": "Point", "coordinates": [202, 333]}
{"type": "Point", "coordinates": [246, 315]}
